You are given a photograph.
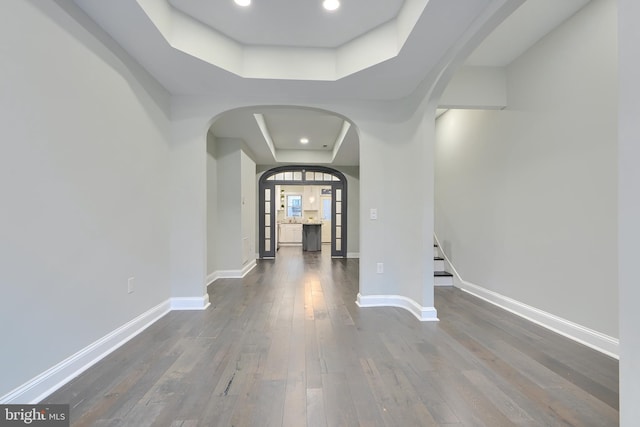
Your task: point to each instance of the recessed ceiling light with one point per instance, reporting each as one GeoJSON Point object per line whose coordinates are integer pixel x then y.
{"type": "Point", "coordinates": [331, 4]}
{"type": "Point", "coordinates": [243, 3]}
{"type": "Point", "coordinates": [304, 140]}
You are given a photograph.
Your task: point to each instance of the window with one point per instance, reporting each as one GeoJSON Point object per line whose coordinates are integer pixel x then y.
{"type": "Point", "coordinates": [326, 209]}
{"type": "Point", "coordinates": [294, 205]}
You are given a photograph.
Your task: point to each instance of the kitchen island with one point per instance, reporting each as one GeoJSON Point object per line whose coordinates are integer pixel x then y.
{"type": "Point", "coordinates": [312, 237]}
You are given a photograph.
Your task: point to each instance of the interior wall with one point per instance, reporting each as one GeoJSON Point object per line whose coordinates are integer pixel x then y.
{"type": "Point", "coordinates": [526, 198]}
{"type": "Point", "coordinates": [229, 228]}
{"type": "Point", "coordinates": [83, 178]}
{"type": "Point", "coordinates": [629, 209]}
{"type": "Point", "coordinates": [249, 208]}
{"type": "Point", "coordinates": [396, 164]}
{"type": "Point", "coordinates": [476, 87]}
{"type": "Point", "coordinates": [212, 205]}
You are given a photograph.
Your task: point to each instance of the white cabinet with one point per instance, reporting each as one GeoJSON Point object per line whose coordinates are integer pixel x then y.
{"type": "Point", "coordinates": [291, 233]}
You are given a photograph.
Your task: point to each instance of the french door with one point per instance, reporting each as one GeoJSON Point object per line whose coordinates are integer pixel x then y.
{"type": "Point", "coordinates": [269, 202]}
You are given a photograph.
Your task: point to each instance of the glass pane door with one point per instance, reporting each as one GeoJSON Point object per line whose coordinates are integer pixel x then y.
{"type": "Point", "coordinates": [267, 222]}
{"type": "Point", "coordinates": [338, 232]}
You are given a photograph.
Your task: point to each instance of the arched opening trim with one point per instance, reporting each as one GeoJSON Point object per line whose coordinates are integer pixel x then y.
{"type": "Point", "coordinates": [301, 175]}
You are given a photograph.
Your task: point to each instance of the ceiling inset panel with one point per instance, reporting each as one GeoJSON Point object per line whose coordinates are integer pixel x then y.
{"type": "Point", "coordinates": [287, 126]}
{"type": "Point", "coordinates": [287, 39]}
{"type": "Point", "coordinates": [298, 23]}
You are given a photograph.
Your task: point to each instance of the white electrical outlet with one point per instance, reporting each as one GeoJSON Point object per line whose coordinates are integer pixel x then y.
{"type": "Point", "coordinates": [380, 268]}
{"type": "Point", "coordinates": [373, 213]}
{"type": "Point", "coordinates": [130, 284]}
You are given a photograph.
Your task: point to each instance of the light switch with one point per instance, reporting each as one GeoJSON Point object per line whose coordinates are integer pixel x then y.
{"type": "Point", "coordinates": [373, 213]}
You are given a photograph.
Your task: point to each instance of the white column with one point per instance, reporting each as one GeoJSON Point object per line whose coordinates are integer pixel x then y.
{"type": "Point", "coordinates": [188, 207]}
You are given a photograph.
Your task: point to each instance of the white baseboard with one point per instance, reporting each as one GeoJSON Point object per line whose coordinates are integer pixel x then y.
{"type": "Point", "coordinates": [190, 303]}
{"type": "Point", "coordinates": [353, 254]}
{"type": "Point", "coordinates": [424, 314]}
{"type": "Point", "coordinates": [247, 268]}
{"type": "Point", "coordinates": [55, 377]}
{"type": "Point", "coordinates": [594, 339]}
{"type": "Point", "coordinates": [212, 277]}
{"type": "Point", "coordinates": [231, 274]}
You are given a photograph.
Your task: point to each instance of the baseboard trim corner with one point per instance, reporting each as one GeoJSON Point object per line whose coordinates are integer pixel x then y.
{"type": "Point", "coordinates": [212, 278]}
{"type": "Point", "coordinates": [41, 386]}
{"type": "Point", "coordinates": [353, 254]}
{"type": "Point", "coordinates": [423, 314]}
{"type": "Point", "coordinates": [190, 303]}
{"type": "Point", "coordinates": [247, 268]}
{"type": "Point", "coordinates": [231, 274]}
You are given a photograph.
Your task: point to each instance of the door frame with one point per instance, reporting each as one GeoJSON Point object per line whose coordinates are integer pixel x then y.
{"type": "Point", "coordinates": [286, 175]}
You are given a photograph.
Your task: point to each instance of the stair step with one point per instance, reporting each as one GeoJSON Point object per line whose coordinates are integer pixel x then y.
{"type": "Point", "coordinates": [442, 274]}
{"type": "Point", "coordinates": [442, 278]}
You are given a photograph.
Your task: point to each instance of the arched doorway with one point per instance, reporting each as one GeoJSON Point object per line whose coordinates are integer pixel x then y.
{"type": "Point", "coordinates": [301, 175]}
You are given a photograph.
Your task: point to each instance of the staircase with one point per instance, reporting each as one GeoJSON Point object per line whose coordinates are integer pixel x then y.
{"type": "Point", "coordinates": [440, 276]}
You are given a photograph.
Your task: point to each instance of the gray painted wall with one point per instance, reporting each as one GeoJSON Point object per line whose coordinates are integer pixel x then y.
{"type": "Point", "coordinates": [229, 227]}
{"type": "Point", "coordinates": [526, 200]}
{"type": "Point", "coordinates": [83, 178]}
{"type": "Point", "coordinates": [249, 207]}
{"type": "Point", "coordinates": [231, 205]}
{"type": "Point", "coordinates": [629, 209]}
{"type": "Point", "coordinates": [212, 205]}
{"type": "Point", "coordinates": [396, 164]}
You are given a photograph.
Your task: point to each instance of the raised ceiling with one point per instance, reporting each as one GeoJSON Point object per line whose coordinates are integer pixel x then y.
{"type": "Point", "coordinates": [287, 127]}
{"type": "Point", "coordinates": [367, 50]}
{"type": "Point", "coordinates": [190, 58]}
{"type": "Point", "coordinates": [273, 135]}
{"type": "Point", "coordinates": [279, 39]}
{"type": "Point", "coordinates": [291, 23]}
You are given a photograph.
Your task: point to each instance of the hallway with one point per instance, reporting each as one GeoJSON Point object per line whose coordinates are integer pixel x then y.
{"type": "Point", "coordinates": [288, 346]}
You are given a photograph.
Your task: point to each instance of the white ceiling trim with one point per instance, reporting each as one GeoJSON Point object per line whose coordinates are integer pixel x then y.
{"type": "Point", "coordinates": [301, 156]}
{"type": "Point", "coordinates": [191, 36]}
{"type": "Point", "coordinates": [265, 133]}
{"type": "Point", "coordinates": [343, 133]}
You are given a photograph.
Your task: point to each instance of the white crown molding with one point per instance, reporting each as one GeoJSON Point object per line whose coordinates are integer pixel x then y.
{"type": "Point", "coordinates": [52, 379]}
{"type": "Point", "coordinates": [423, 314]}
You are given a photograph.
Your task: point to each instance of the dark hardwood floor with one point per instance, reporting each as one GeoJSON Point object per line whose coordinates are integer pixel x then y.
{"type": "Point", "coordinates": [287, 346]}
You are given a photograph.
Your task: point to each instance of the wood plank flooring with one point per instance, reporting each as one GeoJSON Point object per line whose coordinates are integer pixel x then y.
{"type": "Point", "coordinates": [287, 346]}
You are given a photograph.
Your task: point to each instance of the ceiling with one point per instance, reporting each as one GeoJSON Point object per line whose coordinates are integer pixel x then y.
{"type": "Point", "coordinates": [521, 30]}
{"type": "Point", "coordinates": [367, 49]}
{"type": "Point", "coordinates": [291, 23]}
{"type": "Point", "coordinates": [283, 128]}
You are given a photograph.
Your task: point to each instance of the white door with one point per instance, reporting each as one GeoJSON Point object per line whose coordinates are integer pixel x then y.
{"type": "Point", "coordinates": [325, 214]}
